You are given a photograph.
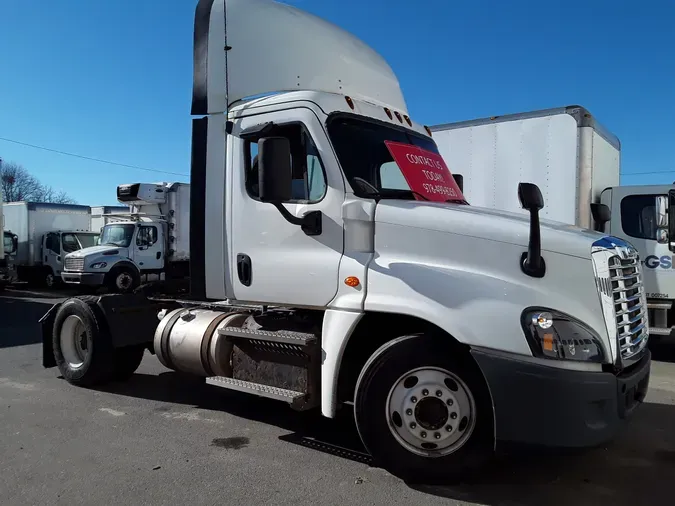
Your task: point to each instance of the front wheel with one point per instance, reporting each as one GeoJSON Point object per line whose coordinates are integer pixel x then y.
{"type": "Point", "coordinates": [123, 280]}
{"type": "Point", "coordinates": [423, 410]}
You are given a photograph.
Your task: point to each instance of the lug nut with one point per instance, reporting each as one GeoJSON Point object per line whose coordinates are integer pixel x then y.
{"type": "Point", "coordinates": [423, 434]}
{"type": "Point", "coordinates": [450, 402]}
{"type": "Point", "coordinates": [439, 393]}
{"type": "Point", "coordinates": [408, 412]}
{"type": "Point", "coordinates": [413, 425]}
{"type": "Point", "coordinates": [413, 400]}
{"type": "Point", "coordinates": [425, 392]}
{"type": "Point", "coordinates": [453, 416]}
{"type": "Point", "coordinates": [437, 435]}
{"type": "Point", "coordinates": [448, 428]}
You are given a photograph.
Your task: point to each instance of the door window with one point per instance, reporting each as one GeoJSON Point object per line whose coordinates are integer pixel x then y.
{"type": "Point", "coordinates": [638, 216]}
{"type": "Point", "coordinates": [309, 176]}
{"type": "Point", "coordinates": [146, 236]}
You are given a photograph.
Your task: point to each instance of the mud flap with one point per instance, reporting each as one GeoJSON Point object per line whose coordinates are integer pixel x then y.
{"type": "Point", "coordinates": [47, 330]}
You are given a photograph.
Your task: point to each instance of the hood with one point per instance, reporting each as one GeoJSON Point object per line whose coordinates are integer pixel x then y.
{"type": "Point", "coordinates": [498, 226]}
{"type": "Point", "coordinates": [95, 250]}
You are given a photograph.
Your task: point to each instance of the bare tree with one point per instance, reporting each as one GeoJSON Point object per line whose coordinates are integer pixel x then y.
{"type": "Point", "coordinates": [18, 184]}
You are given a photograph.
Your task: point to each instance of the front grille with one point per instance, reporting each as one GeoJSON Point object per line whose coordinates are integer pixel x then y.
{"type": "Point", "coordinates": [618, 274]}
{"type": "Point", "coordinates": [630, 312]}
{"type": "Point", "coordinates": [74, 264]}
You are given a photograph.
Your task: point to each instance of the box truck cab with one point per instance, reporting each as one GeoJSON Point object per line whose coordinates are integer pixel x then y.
{"type": "Point", "coordinates": [445, 326]}
{"type": "Point", "coordinates": [151, 243]}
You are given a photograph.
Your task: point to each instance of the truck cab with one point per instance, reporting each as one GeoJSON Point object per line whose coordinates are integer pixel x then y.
{"type": "Point", "coordinates": [645, 216]}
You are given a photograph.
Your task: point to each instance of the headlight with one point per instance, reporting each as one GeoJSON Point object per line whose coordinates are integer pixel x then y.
{"type": "Point", "coordinates": [98, 265]}
{"type": "Point", "coordinates": [555, 335]}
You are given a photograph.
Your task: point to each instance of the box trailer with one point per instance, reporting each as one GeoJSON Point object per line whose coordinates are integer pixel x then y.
{"type": "Point", "coordinates": [565, 151]}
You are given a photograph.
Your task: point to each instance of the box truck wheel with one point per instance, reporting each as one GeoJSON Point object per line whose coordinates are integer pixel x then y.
{"type": "Point", "coordinates": [123, 279]}
{"type": "Point", "coordinates": [82, 347]}
{"type": "Point", "coordinates": [423, 409]}
{"type": "Point", "coordinates": [49, 279]}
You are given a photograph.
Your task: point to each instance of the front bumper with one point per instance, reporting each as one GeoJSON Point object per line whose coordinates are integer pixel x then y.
{"type": "Point", "coordinates": [541, 405]}
{"type": "Point", "coordinates": [83, 278]}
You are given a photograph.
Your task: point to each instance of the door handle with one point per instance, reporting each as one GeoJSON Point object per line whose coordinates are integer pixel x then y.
{"type": "Point", "coordinates": [244, 269]}
{"type": "Point", "coordinates": [158, 255]}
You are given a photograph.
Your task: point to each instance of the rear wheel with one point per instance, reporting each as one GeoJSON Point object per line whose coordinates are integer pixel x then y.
{"type": "Point", "coordinates": [423, 410]}
{"type": "Point", "coordinates": [82, 345]}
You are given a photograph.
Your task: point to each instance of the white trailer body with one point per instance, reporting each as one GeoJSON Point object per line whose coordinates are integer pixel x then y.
{"type": "Point", "coordinates": [152, 242]}
{"type": "Point", "coordinates": [565, 151]}
{"type": "Point", "coordinates": [46, 232]}
{"type": "Point", "coordinates": [102, 215]}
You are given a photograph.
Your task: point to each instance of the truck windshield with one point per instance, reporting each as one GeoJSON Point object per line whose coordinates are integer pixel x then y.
{"type": "Point", "coordinates": [119, 235]}
{"type": "Point", "coordinates": [74, 241]}
{"type": "Point", "coordinates": [364, 149]}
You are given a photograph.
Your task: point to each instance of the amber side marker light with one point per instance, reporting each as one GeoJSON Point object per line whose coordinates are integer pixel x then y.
{"type": "Point", "coordinates": [388, 113]}
{"type": "Point", "coordinates": [428, 130]}
{"type": "Point", "coordinates": [350, 102]}
{"type": "Point", "coordinates": [398, 116]}
{"type": "Point", "coordinates": [407, 119]}
{"type": "Point", "coordinates": [352, 281]}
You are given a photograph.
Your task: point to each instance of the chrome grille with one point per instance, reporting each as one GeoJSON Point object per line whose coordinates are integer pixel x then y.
{"type": "Point", "coordinates": [618, 275]}
{"type": "Point", "coordinates": [629, 309]}
{"type": "Point", "coordinates": [74, 264]}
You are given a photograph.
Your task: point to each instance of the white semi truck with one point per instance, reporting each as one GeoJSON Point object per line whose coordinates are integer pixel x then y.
{"type": "Point", "coordinates": [576, 162]}
{"type": "Point", "coordinates": [448, 327]}
{"type": "Point", "coordinates": [45, 234]}
{"type": "Point", "coordinates": [149, 245]}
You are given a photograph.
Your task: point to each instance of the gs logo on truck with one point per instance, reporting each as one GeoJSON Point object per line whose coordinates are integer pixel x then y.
{"type": "Point", "coordinates": [654, 262]}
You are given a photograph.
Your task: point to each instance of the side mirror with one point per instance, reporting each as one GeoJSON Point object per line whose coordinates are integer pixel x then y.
{"type": "Point", "coordinates": [275, 173]}
{"type": "Point", "coordinates": [530, 197]}
{"type": "Point", "coordinates": [459, 179]}
{"type": "Point", "coordinates": [601, 214]}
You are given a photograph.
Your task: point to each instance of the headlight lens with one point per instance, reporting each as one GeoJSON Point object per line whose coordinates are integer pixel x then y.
{"type": "Point", "coordinates": [558, 336]}
{"type": "Point", "coordinates": [98, 265]}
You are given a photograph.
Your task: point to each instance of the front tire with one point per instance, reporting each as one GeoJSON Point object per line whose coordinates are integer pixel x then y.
{"type": "Point", "coordinates": [82, 346]}
{"type": "Point", "coordinates": [123, 280]}
{"type": "Point", "coordinates": [423, 410]}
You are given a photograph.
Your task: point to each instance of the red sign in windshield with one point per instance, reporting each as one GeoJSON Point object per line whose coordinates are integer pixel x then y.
{"type": "Point", "coordinates": [426, 173]}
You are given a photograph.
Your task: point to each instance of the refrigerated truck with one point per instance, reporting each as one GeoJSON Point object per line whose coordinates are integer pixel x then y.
{"type": "Point", "coordinates": [45, 233]}
{"type": "Point", "coordinates": [148, 245]}
{"type": "Point", "coordinates": [445, 326]}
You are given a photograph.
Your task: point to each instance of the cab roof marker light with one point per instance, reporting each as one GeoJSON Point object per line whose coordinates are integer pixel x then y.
{"type": "Point", "coordinates": [428, 130]}
{"type": "Point", "coordinates": [350, 102]}
{"type": "Point", "coordinates": [398, 116]}
{"type": "Point", "coordinates": [386, 109]}
{"type": "Point", "coordinates": [407, 119]}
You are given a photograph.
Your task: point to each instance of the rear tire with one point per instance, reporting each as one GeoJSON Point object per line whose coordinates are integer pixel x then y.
{"type": "Point", "coordinates": [127, 360]}
{"type": "Point", "coordinates": [423, 410]}
{"type": "Point", "coordinates": [82, 345]}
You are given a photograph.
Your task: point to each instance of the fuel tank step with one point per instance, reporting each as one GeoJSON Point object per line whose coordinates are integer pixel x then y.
{"type": "Point", "coordinates": [297, 400]}
{"type": "Point", "coordinates": [659, 331]}
{"type": "Point", "coordinates": [659, 305]}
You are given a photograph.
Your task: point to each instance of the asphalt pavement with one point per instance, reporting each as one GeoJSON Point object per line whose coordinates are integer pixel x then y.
{"type": "Point", "coordinates": [162, 438]}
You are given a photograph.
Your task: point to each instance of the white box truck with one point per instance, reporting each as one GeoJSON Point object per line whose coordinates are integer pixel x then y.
{"type": "Point", "coordinates": [150, 244]}
{"type": "Point", "coordinates": [102, 215]}
{"type": "Point", "coordinates": [45, 233]}
{"type": "Point", "coordinates": [445, 326]}
{"type": "Point", "coordinates": [576, 162]}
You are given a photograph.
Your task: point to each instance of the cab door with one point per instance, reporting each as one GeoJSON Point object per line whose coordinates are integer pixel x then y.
{"type": "Point", "coordinates": [272, 260]}
{"type": "Point", "coordinates": [51, 252]}
{"type": "Point", "coordinates": [148, 248]}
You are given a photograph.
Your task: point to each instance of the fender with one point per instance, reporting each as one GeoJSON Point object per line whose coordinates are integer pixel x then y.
{"type": "Point", "coordinates": [126, 263]}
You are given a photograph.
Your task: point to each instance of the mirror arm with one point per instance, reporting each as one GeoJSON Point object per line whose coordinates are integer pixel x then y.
{"type": "Point", "coordinates": [310, 222]}
{"type": "Point", "coordinates": [531, 261]}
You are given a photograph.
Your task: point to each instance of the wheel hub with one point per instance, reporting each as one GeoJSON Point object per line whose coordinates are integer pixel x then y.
{"type": "Point", "coordinates": [74, 342]}
{"type": "Point", "coordinates": [431, 411]}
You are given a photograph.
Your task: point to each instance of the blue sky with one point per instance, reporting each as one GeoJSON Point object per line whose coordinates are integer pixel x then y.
{"type": "Point", "coordinates": [112, 80]}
